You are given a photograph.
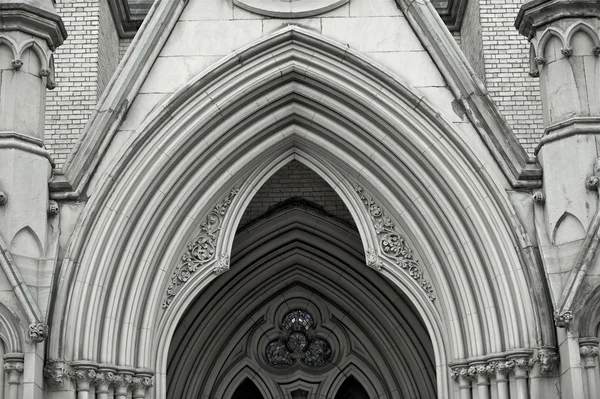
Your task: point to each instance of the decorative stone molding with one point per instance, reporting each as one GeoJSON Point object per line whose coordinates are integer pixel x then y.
{"type": "Point", "coordinates": [592, 182]}
{"type": "Point", "coordinates": [539, 197]}
{"type": "Point", "coordinates": [462, 374]}
{"type": "Point", "coordinates": [548, 359]}
{"type": "Point", "coordinates": [55, 372]}
{"type": "Point", "coordinates": [38, 332]}
{"type": "Point", "coordinates": [563, 320]}
{"type": "Point", "coordinates": [3, 198]}
{"type": "Point", "coordinates": [522, 365]}
{"type": "Point", "coordinates": [222, 265]}
{"type": "Point", "coordinates": [53, 208]}
{"type": "Point", "coordinates": [392, 244]}
{"type": "Point", "coordinates": [83, 377]}
{"type": "Point", "coordinates": [17, 64]}
{"type": "Point", "coordinates": [140, 384]}
{"type": "Point", "coordinates": [373, 260]}
{"type": "Point", "coordinates": [202, 250]}
{"type": "Point", "coordinates": [567, 51]}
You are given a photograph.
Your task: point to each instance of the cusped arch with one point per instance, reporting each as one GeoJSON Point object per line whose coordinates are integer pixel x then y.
{"type": "Point", "coordinates": [585, 28]}
{"type": "Point", "coordinates": [33, 45]}
{"type": "Point", "coordinates": [546, 36]}
{"type": "Point", "coordinates": [10, 332]}
{"type": "Point", "coordinates": [293, 95]}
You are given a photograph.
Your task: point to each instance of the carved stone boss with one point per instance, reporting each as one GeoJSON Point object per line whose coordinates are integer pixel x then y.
{"type": "Point", "coordinates": [202, 250]}
{"type": "Point", "coordinates": [392, 244]}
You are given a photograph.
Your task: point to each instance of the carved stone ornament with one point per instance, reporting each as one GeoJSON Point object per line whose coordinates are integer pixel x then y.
{"type": "Point", "coordinates": [534, 74]}
{"type": "Point", "coordinates": [17, 64]}
{"type": "Point", "coordinates": [13, 368]}
{"type": "Point", "coordinates": [392, 244]}
{"type": "Point", "coordinates": [38, 332]}
{"type": "Point", "coordinates": [222, 265]}
{"type": "Point", "coordinates": [53, 208]}
{"type": "Point", "coordinates": [540, 60]}
{"type": "Point", "coordinates": [122, 380]}
{"type": "Point", "coordinates": [461, 373]}
{"type": "Point", "coordinates": [524, 363]}
{"type": "Point", "coordinates": [597, 50]}
{"type": "Point", "coordinates": [3, 198]}
{"type": "Point", "coordinates": [548, 359]}
{"type": "Point", "coordinates": [567, 51]}
{"type": "Point", "coordinates": [563, 320]}
{"type": "Point", "coordinates": [104, 379]}
{"type": "Point", "coordinates": [55, 372]}
{"type": "Point", "coordinates": [589, 351]}
{"type": "Point", "coordinates": [373, 260]}
{"type": "Point", "coordinates": [539, 197]}
{"type": "Point", "coordinates": [592, 182]}
{"type": "Point", "coordinates": [51, 85]}
{"type": "Point", "coordinates": [83, 376]}
{"type": "Point", "coordinates": [44, 73]}
{"type": "Point", "coordinates": [202, 249]}
{"type": "Point", "coordinates": [504, 367]}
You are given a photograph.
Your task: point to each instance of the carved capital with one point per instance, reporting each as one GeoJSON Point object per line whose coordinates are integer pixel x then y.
{"type": "Point", "coordinates": [38, 332]}
{"type": "Point", "coordinates": [548, 359]}
{"type": "Point", "coordinates": [563, 320]}
{"type": "Point", "coordinates": [567, 51]}
{"type": "Point", "coordinates": [13, 369]}
{"type": "Point", "coordinates": [222, 265]}
{"type": "Point", "coordinates": [52, 208]}
{"type": "Point", "coordinates": [373, 260]}
{"type": "Point", "coordinates": [462, 374]}
{"type": "Point", "coordinates": [3, 198]}
{"type": "Point", "coordinates": [539, 197]}
{"type": "Point", "coordinates": [589, 351]}
{"type": "Point", "coordinates": [503, 368]}
{"type": "Point", "coordinates": [103, 380]}
{"type": "Point", "coordinates": [17, 64]}
{"type": "Point", "coordinates": [55, 372]}
{"type": "Point", "coordinates": [83, 377]}
{"type": "Point", "coordinates": [122, 381]}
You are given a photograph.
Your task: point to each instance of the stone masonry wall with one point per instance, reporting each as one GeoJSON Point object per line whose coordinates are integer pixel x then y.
{"type": "Point", "coordinates": [84, 64]}
{"type": "Point", "coordinates": [296, 180]}
{"type": "Point", "coordinates": [506, 58]}
{"type": "Point", "coordinates": [471, 40]}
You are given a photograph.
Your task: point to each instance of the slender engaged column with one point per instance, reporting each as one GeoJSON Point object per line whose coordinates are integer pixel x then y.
{"type": "Point", "coordinates": [463, 376]}
{"type": "Point", "coordinates": [13, 366]}
{"type": "Point", "coordinates": [121, 384]}
{"type": "Point", "coordinates": [483, 373]}
{"type": "Point", "coordinates": [589, 352]}
{"type": "Point", "coordinates": [104, 378]}
{"type": "Point", "coordinates": [522, 366]}
{"type": "Point", "coordinates": [503, 369]}
{"type": "Point", "coordinates": [140, 385]}
{"type": "Point", "coordinates": [84, 377]}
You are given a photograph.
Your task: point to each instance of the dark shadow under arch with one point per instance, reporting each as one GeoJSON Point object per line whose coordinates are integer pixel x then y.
{"type": "Point", "coordinates": [351, 389]}
{"type": "Point", "coordinates": [247, 390]}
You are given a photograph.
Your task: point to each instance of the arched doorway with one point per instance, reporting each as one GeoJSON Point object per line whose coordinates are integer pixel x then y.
{"type": "Point", "coordinates": [299, 312]}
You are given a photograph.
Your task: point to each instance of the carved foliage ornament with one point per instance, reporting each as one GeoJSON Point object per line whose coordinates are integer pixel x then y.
{"type": "Point", "coordinates": [392, 244]}
{"type": "Point", "coordinates": [202, 249]}
{"type": "Point", "coordinates": [38, 332]}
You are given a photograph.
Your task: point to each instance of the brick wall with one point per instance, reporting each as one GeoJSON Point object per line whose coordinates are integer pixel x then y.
{"type": "Point", "coordinates": [506, 55]}
{"type": "Point", "coordinates": [109, 47]}
{"type": "Point", "coordinates": [69, 105]}
{"type": "Point", "coordinates": [84, 64]}
{"type": "Point", "coordinates": [123, 46]}
{"type": "Point", "coordinates": [296, 180]}
{"type": "Point", "coordinates": [471, 40]}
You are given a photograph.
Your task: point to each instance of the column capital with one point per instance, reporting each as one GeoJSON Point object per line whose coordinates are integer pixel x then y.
{"type": "Point", "coordinates": [13, 368]}
{"type": "Point", "coordinates": [588, 350]}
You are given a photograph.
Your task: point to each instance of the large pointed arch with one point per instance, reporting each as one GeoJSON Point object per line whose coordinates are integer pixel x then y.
{"type": "Point", "coordinates": [295, 95]}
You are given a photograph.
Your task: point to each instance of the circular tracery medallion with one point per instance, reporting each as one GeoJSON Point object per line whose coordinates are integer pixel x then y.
{"type": "Point", "coordinates": [289, 9]}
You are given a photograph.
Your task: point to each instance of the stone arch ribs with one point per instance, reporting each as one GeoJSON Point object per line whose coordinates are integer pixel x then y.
{"type": "Point", "coordinates": [294, 95]}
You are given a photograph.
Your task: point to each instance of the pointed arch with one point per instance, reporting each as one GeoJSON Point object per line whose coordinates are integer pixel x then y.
{"type": "Point", "coordinates": [247, 390]}
{"type": "Point", "coordinates": [295, 95]}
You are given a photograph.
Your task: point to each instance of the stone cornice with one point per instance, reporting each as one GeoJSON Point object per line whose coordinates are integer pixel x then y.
{"type": "Point", "coordinates": [537, 13]}
{"type": "Point", "coordinates": [37, 21]}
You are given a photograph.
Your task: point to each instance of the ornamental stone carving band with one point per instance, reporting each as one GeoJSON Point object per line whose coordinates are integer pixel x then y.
{"type": "Point", "coordinates": [392, 244]}
{"type": "Point", "coordinates": [202, 250]}
{"type": "Point", "coordinates": [38, 332]}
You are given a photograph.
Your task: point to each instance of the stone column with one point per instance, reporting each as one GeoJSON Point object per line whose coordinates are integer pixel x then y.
{"type": "Point", "coordinates": [522, 365]}
{"type": "Point", "coordinates": [13, 366]}
{"type": "Point", "coordinates": [122, 382]}
{"type": "Point", "coordinates": [589, 352]}
{"type": "Point", "coordinates": [84, 377]}
{"type": "Point", "coordinates": [503, 369]}
{"type": "Point", "coordinates": [140, 385]}
{"type": "Point", "coordinates": [105, 376]}
{"type": "Point", "coordinates": [463, 375]}
{"type": "Point", "coordinates": [483, 373]}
